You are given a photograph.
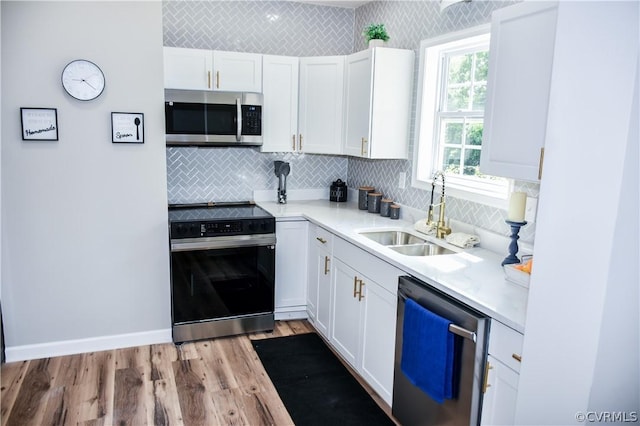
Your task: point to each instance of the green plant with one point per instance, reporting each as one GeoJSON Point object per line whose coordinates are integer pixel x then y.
{"type": "Point", "coordinates": [375, 32]}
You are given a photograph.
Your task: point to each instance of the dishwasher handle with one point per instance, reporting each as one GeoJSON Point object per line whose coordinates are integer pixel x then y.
{"type": "Point", "coordinates": [455, 329]}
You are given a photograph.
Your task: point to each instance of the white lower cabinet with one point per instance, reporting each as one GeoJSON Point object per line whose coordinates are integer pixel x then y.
{"type": "Point", "coordinates": [347, 307]}
{"type": "Point", "coordinates": [501, 375]}
{"type": "Point", "coordinates": [319, 280]}
{"type": "Point", "coordinates": [291, 270]}
{"type": "Point", "coordinates": [364, 314]}
{"type": "Point", "coordinates": [499, 406]}
{"type": "Point", "coordinates": [378, 339]}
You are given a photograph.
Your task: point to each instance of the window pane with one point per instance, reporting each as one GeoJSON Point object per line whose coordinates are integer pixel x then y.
{"type": "Point", "coordinates": [471, 162]}
{"type": "Point", "coordinates": [457, 98]}
{"type": "Point", "coordinates": [479, 96]}
{"type": "Point", "coordinates": [451, 160]}
{"type": "Point", "coordinates": [452, 132]}
{"type": "Point", "coordinates": [474, 133]}
{"type": "Point", "coordinates": [459, 69]}
{"type": "Point", "coordinates": [482, 66]}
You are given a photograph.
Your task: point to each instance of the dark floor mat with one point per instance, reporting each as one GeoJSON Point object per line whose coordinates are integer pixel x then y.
{"type": "Point", "coordinates": [314, 385]}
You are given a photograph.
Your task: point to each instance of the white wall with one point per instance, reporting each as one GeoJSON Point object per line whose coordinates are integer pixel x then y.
{"type": "Point", "coordinates": [581, 343]}
{"type": "Point", "coordinates": [84, 221]}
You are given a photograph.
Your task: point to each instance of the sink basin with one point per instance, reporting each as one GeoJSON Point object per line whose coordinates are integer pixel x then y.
{"type": "Point", "coordinates": [393, 238]}
{"type": "Point", "coordinates": [406, 243]}
{"type": "Point", "coordinates": [422, 250]}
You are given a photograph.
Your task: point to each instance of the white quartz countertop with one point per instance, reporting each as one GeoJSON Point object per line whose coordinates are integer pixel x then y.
{"type": "Point", "coordinates": [473, 276]}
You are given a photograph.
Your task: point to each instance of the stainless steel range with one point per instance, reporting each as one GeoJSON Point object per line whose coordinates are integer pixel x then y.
{"type": "Point", "coordinates": [222, 269]}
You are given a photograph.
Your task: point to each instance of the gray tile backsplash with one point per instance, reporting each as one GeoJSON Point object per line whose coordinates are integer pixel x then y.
{"type": "Point", "coordinates": [297, 29]}
{"type": "Point", "coordinates": [232, 174]}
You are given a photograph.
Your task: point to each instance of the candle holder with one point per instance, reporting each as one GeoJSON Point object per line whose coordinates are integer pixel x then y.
{"type": "Point", "coordinates": [513, 246]}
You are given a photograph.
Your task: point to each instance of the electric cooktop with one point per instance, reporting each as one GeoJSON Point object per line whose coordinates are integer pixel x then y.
{"type": "Point", "coordinates": [222, 218]}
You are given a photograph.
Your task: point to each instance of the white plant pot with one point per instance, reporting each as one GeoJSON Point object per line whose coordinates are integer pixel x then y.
{"type": "Point", "coordinates": [376, 43]}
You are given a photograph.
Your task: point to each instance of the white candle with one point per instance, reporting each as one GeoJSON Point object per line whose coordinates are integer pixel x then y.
{"type": "Point", "coordinates": [517, 205]}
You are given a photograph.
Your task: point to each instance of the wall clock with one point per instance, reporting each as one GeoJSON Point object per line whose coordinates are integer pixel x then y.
{"type": "Point", "coordinates": [83, 80]}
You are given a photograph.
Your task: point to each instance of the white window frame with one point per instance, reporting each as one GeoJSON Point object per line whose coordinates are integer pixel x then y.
{"type": "Point", "coordinates": [426, 147]}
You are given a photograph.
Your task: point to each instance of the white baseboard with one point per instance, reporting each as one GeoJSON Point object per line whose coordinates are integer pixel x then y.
{"type": "Point", "coordinates": [291, 315]}
{"type": "Point", "coordinates": [93, 344]}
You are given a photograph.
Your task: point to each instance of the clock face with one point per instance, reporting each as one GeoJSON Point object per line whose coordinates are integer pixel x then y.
{"type": "Point", "coordinates": [83, 80]}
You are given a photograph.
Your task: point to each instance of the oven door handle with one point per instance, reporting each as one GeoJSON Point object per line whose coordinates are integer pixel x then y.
{"type": "Point", "coordinates": [223, 242]}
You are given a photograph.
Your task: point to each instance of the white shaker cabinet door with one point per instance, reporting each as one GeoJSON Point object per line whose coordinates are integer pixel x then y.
{"type": "Point", "coordinates": [237, 71]}
{"type": "Point", "coordinates": [378, 338]}
{"type": "Point", "coordinates": [319, 282]}
{"type": "Point", "coordinates": [501, 391]}
{"type": "Point", "coordinates": [320, 104]}
{"type": "Point", "coordinates": [378, 97]}
{"type": "Point", "coordinates": [280, 112]}
{"type": "Point", "coordinates": [518, 86]}
{"type": "Point", "coordinates": [189, 69]}
{"type": "Point", "coordinates": [291, 270]}
{"type": "Point", "coordinates": [345, 323]}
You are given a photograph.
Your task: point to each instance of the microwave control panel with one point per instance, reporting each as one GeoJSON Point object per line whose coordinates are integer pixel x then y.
{"type": "Point", "coordinates": [251, 120]}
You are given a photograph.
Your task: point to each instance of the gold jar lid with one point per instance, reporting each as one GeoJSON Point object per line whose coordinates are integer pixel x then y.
{"type": "Point", "coordinates": [375, 194]}
{"type": "Point", "coordinates": [367, 188]}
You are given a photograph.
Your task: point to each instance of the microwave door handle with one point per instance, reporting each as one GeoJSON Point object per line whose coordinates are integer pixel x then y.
{"type": "Point", "coordinates": [239, 120]}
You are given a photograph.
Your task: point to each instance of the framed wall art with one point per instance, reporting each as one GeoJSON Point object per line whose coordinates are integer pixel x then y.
{"type": "Point", "coordinates": [39, 124]}
{"type": "Point", "coordinates": [127, 127]}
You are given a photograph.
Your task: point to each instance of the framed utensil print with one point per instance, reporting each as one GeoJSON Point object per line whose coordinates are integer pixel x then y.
{"type": "Point", "coordinates": [39, 124]}
{"type": "Point", "coordinates": [127, 127]}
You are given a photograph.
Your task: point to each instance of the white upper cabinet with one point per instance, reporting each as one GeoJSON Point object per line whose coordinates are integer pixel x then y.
{"type": "Point", "coordinates": [198, 69]}
{"type": "Point", "coordinates": [378, 94]}
{"type": "Point", "coordinates": [320, 104]}
{"type": "Point", "coordinates": [519, 81]}
{"type": "Point", "coordinates": [237, 71]}
{"type": "Point", "coordinates": [280, 111]}
{"type": "Point", "coordinates": [187, 68]}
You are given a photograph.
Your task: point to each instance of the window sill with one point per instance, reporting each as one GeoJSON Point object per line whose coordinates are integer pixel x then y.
{"type": "Point", "coordinates": [463, 193]}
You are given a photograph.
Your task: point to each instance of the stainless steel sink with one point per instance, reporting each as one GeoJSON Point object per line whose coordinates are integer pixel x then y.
{"type": "Point", "coordinates": [405, 243]}
{"type": "Point", "coordinates": [393, 238]}
{"type": "Point", "coordinates": [426, 249]}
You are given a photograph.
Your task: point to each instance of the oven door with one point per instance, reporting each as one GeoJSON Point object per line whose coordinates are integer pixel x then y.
{"type": "Point", "coordinates": [222, 285]}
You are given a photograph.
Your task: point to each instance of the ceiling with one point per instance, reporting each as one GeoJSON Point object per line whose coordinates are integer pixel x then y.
{"type": "Point", "coordinates": [336, 3]}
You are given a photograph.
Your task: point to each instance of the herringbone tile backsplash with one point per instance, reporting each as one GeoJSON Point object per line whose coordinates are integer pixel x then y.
{"type": "Point", "coordinates": [298, 29]}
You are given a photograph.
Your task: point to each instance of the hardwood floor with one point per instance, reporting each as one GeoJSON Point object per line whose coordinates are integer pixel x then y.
{"type": "Point", "coordinates": [211, 382]}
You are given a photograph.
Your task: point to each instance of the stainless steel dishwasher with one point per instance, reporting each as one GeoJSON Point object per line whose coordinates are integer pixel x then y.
{"type": "Point", "coordinates": [411, 406]}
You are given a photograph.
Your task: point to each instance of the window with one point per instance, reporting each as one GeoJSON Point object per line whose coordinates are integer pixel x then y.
{"type": "Point", "coordinates": [452, 92]}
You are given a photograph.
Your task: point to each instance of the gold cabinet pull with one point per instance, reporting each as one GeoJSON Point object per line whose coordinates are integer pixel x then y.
{"type": "Point", "coordinates": [293, 139]}
{"type": "Point", "coordinates": [360, 295]}
{"type": "Point", "coordinates": [363, 149]}
{"type": "Point", "coordinates": [322, 240]}
{"type": "Point", "coordinates": [540, 163]}
{"type": "Point", "coordinates": [326, 265]}
{"type": "Point", "coordinates": [355, 286]}
{"type": "Point", "coordinates": [486, 384]}
{"type": "Point", "coordinates": [217, 79]}
{"type": "Point", "coordinates": [300, 142]}
{"type": "Point", "coordinates": [516, 357]}
{"type": "Point", "coordinates": [209, 79]}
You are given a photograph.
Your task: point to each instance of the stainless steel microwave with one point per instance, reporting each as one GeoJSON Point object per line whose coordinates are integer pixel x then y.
{"type": "Point", "coordinates": [206, 118]}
